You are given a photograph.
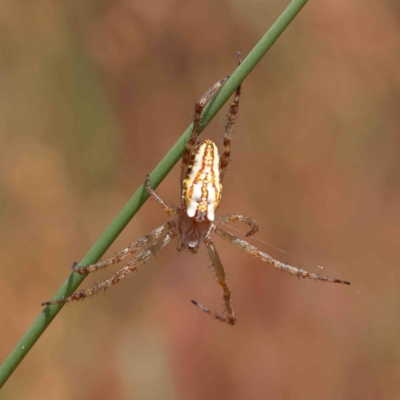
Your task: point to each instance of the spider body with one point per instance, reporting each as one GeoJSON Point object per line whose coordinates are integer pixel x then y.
{"type": "Point", "coordinates": [201, 194]}
{"type": "Point", "coordinates": [192, 232]}
{"type": "Point", "coordinates": [202, 186]}
{"type": "Point", "coordinates": [202, 173]}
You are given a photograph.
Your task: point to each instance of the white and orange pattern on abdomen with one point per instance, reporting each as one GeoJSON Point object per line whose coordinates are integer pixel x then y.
{"type": "Point", "coordinates": [202, 187]}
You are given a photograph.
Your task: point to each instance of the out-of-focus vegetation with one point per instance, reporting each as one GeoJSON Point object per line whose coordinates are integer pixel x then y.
{"type": "Point", "coordinates": [94, 93]}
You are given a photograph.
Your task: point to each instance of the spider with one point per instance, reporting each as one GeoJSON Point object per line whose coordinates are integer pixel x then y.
{"type": "Point", "coordinates": [202, 173]}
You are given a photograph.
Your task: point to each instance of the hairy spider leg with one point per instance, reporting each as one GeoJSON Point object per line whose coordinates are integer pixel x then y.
{"type": "Point", "coordinates": [118, 257]}
{"type": "Point", "coordinates": [188, 153]}
{"type": "Point", "coordinates": [167, 233]}
{"type": "Point", "coordinates": [233, 111]}
{"type": "Point", "coordinates": [239, 218]}
{"type": "Point", "coordinates": [250, 249]}
{"type": "Point", "coordinates": [166, 208]}
{"type": "Point", "coordinates": [221, 276]}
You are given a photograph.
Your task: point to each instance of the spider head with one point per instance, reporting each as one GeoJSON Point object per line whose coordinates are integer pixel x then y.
{"type": "Point", "coordinates": [192, 232]}
{"type": "Point", "coordinates": [202, 187]}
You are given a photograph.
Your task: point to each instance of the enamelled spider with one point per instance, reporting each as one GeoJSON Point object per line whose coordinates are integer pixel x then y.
{"type": "Point", "coordinates": [203, 170]}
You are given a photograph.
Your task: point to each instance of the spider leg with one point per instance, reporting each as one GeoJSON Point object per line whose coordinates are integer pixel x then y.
{"type": "Point", "coordinates": [249, 249]}
{"type": "Point", "coordinates": [165, 237]}
{"type": "Point", "coordinates": [233, 110]}
{"type": "Point", "coordinates": [219, 270]}
{"type": "Point", "coordinates": [131, 249]}
{"type": "Point", "coordinates": [198, 108]}
{"type": "Point", "coordinates": [154, 195]}
{"type": "Point", "coordinates": [242, 218]}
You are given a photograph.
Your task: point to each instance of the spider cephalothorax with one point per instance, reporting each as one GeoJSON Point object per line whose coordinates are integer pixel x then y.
{"type": "Point", "coordinates": [202, 173]}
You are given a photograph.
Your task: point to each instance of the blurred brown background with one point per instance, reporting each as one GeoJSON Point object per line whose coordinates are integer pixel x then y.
{"type": "Point", "coordinates": [94, 93]}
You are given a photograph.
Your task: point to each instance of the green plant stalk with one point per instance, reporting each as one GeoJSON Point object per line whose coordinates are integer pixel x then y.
{"type": "Point", "coordinates": [138, 199]}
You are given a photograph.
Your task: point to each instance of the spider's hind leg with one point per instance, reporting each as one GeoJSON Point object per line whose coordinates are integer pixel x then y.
{"type": "Point", "coordinates": [233, 111]}
{"type": "Point", "coordinates": [198, 108]}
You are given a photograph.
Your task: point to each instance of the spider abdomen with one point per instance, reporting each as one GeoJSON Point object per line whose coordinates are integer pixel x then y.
{"type": "Point", "coordinates": [202, 186]}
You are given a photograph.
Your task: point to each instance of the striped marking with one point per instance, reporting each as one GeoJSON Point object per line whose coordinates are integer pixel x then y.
{"type": "Point", "coordinates": [202, 187]}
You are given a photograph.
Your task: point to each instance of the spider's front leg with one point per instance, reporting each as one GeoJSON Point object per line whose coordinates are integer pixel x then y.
{"type": "Point", "coordinates": [250, 249]}
{"type": "Point", "coordinates": [166, 235]}
{"type": "Point", "coordinates": [220, 273]}
{"type": "Point", "coordinates": [135, 246]}
{"type": "Point", "coordinates": [118, 257]}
